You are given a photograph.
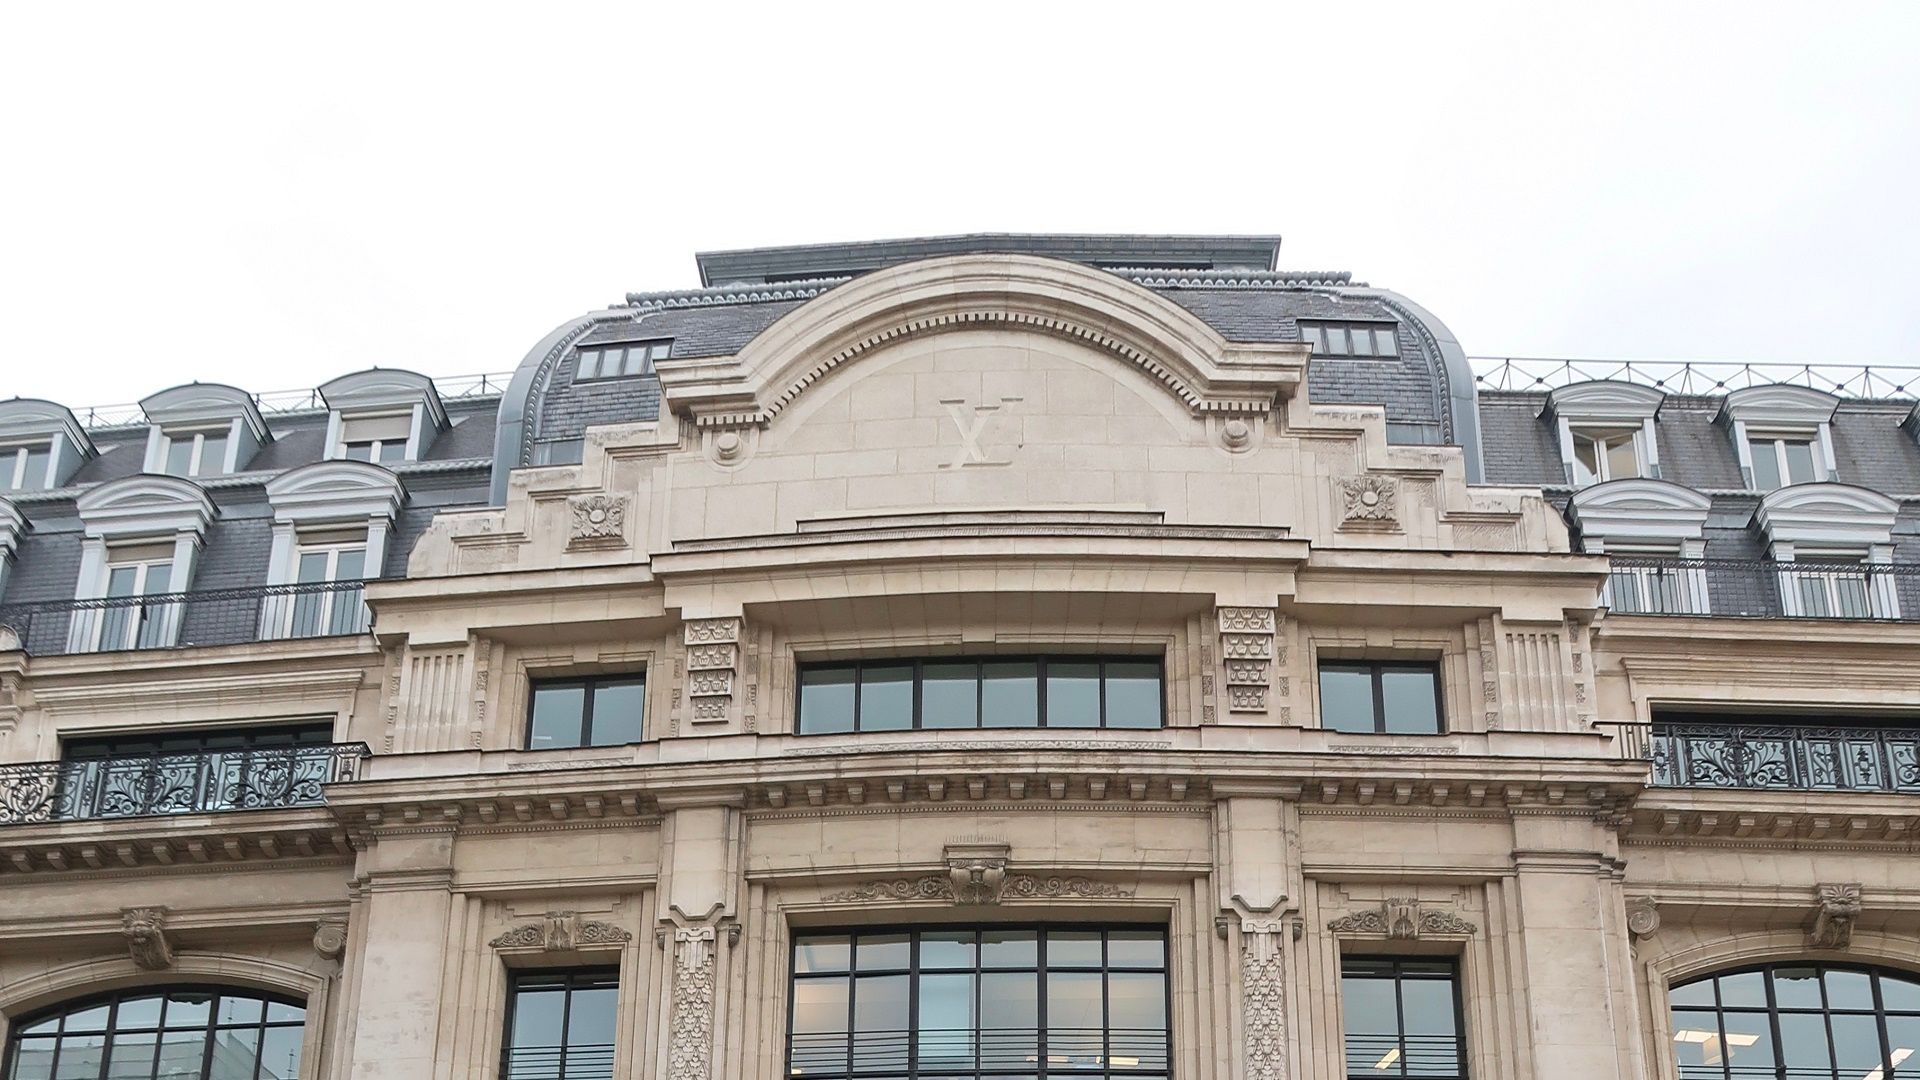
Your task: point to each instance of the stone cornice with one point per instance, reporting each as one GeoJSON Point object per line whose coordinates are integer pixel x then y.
{"type": "Point", "coordinates": [226, 840]}
{"type": "Point", "coordinates": [267, 688]}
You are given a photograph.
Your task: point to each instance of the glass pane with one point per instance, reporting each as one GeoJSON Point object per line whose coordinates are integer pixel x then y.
{"type": "Point", "coordinates": [182, 1053]}
{"type": "Point", "coordinates": [1803, 1044]}
{"type": "Point", "coordinates": [158, 580]}
{"type": "Point", "coordinates": [1009, 1020]}
{"type": "Point", "coordinates": [1346, 698]}
{"type": "Point", "coordinates": [1903, 1045]}
{"type": "Point", "coordinates": [360, 451]}
{"type": "Point", "coordinates": [1137, 1019]}
{"type": "Point", "coordinates": [1073, 694]}
{"type": "Point", "coordinates": [120, 580]}
{"type": "Point", "coordinates": [188, 1009]}
{"type": "Point", "coordinates": [1137, 948]}
{"type": "Point", "coordinates": [826, 700]}
{"type": "Point", "coordinates": [1746, 1044]}
{"type": "Point", "coordinates": [636, 361]}
{"type": "Point", "coordinates": [33, 1059]}
{"type": "Point", "coordinates": [1336, 340]}
{"type": "Point", "coordinates": [589, 364]}
{"type": "Point", "coordinates": [1696, 1044]}
{"type": "Point", "coordinates": [1313, 336]}
{"type": "Point", "coordinates": [1383, 343]}
{"type": "Point", "coordinates": [280, 1054]}
{"type": "Point", "coordinates": [1075, 1029]}
{"type": "Point", "coordinates": [1747, 990]}
{"type": "Point", "coordinates": [392, 451]}
{"type": "Point", "coordinates": [1427, 1006]}
{"type": "Point", "coordinates": [946, 1022]}
{"type": "Point", "coordinates": [313, 567]}
{"type": "Point", "coordinates": [1856, 1043]}
{"type": "Point", "coordinates": [949, 695]}
{"type": "Point", "coordinates": [1073, 948]}
{"type": "Point", "coordinates": [350, 565]}
{"type": "Point", "coordinates": [1766, 464]}
{"type": "Point", "coordinates": [820, 954]}
{"type": "Point", "coordinates": [236, 1054]}
{"type": "Point", "coordinates": [1371, 1017]}
{"type": "Point", "coordinates": [1133, 694]}
{"type": "Point", "coordinates": [35, 476]}
{"type": "Point", "coordinates": [882, 952]}
{"type": "Point", "coordinates": [819, 1039]}
{"type": "Point", "coordinates": [557, 714]}
{"type": "Point", "coordinates": [1009, 695]}
{"type": "Point", "coordinates": [213, 455]}
{"type": "Point", "coordinates": [80, 1057]}
{"type": "Point", "coordinates": [1799, 462]}
{"type": "Point", "coordinates": [1622, 459]}
{"type": "Point", "coordinates": [1899, 994]}
{"type": "Point", "coordinates": [179, 455]}
{"type": "Point", "coordinates": [285, 1014]}
{"type": "Point", "coordinates": [137, 1013]}
{"type": "Point", "coordinates": [1849, 990]}
{"type": "Point", "coordinates": [1411, 705]}
{"type": "Point", "coordinates": [946, 949]}
{"type": "Point", "coordinates": [590, 1023]}
{"type": "Point", "coordinates": [1009, 948]}
{"type": "Point", "coordinates": [1693, 993]}
{"type": "Point", "coordinates": [886, 698]}
{"type": "Point", "coordinates": [1796, 988]}
{"type": "Point", "coordinates": [1586, 460]}
{"type": "Point", "coordinates": [132, 1056]}
{"type": "Point", "coordinates": [880, 1022]}
{"type": "Point", "coordinates": [616, 712]}
{"type": "Point", "coordinates": [538, 1016]}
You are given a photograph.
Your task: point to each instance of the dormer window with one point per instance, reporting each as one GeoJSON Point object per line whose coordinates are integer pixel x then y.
{"type": "Point", "coordinates": [24, 468]}
{"type": "Point", "coordinates": [1351, 339]}
{"type": "Point", "coordinates": [41, 445]}
{"type": "Point", "coordinates": [620, 361]}
{"type": "Point", "coordinates": [1782, 434]}
{"type": "Point", "coordinates": [380, 440]}
{"type": "Point", "coordinates": [1604, 454]}
{"type": "Point", "coordinates": [194, 453]}
{"type": "Point", "coordinates": [382, 417]}
{"type": "Point", "coordinates": [202, 429]}
{"type": "Point", "coordinates": [1783, 461]}
{"type": "Point", "coordinates": [1833, 546]}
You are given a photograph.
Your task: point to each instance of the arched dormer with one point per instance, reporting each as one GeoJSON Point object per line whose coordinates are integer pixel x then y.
{"type": "Point", "coordinates": [331, 521]}
{"type": "Point", "coordinates": [13, 528]}
{"type": "Point", "coordinates": [202, 429]}
{"type": "Point", "coordinates": [143, 536]}
{"type": "Point", "coordinates": [1605, 430]}
{"type": "Point", "coordinates": [382, 415]}
{"type": "Point", "coordinates": [1188, 359]}
{"type": "Point", "coordinates": [41, 445]}
{"type": "Point", "coordinates": [1828, 538]}
{"type": "Point", "coordinates": [1783, 434]}
{"type": "Point", "coordinates": [1647, 525]}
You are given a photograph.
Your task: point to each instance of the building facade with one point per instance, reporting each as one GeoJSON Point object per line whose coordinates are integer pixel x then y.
{"type": "Point", "coordinates": [1014, 657]}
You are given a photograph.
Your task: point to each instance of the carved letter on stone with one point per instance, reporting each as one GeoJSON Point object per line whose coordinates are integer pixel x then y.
{"type": "Point", "coordinates": [147, 937]}
{"type": "Point", "coordinates": [330, 937]}
{"type": "Point", "coordinates": [690, 1051]}
{"type": "Point", "coordinates": [1263, 999]}
{"type": "Point", "coordinates": [1839, 906]}
{"type": "Point", "coordinates": [597, 520]}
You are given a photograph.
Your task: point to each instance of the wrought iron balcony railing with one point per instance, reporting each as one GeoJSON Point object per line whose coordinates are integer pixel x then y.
{"type": "Point", "coordinates": [1643, 585]}
{"type": "Point", "coordinates": [153, 785]}
{"type": "Point", "coordinates": [1779, 757]}
{"type": "Point", "coordinates": [177, 620]}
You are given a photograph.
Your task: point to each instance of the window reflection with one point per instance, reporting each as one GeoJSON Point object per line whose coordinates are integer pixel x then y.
{"type": "Point", "coordinates": [1809, 1022]}
{"type": "Point", "coordinates": [164, 1034]}
{"type": "Point", "coordinates": [897, 695]}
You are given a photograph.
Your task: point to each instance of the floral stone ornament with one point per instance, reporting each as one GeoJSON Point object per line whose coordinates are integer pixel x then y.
{"type": "Point", "coordinates": [598, 520]}
{"type": "Point", "coordinates": [1368, 502]}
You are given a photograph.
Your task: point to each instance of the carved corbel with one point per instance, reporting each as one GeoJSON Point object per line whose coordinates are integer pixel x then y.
{"type": "Point", "coordinates": [147, 941]}
{"type": "Point", "coordinates": [330, 937]}
{"type": "Point", "coordinates": [977, 873]}
{"type": "Point", "coordinates": [1837, 906]}
{"type": "Point", "coordinates": [1643, 916]}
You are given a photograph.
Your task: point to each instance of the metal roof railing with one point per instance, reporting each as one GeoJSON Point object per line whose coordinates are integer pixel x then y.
{"type": "Point", "coordinates": [1706, 377]}
{"type": "Point", "coordinates": [281, 402]}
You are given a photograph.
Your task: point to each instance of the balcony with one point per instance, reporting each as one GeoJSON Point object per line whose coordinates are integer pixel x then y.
{"type": "Point", "coordinates": [1776, 757]}
{"type": "Point", "coordinates": [156, 785]}
{"type": "Point", "coordinates": [180, 620]}
{"type": "Point", "coordinates": [1759, 588]}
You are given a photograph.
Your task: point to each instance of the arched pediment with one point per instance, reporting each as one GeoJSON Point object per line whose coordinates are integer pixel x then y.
{"type": "Point", "coordinates": [1640, 509]}
{"type": "Point", "coordinates": [384, 388]}
{"type": "Point", "coordinates": [1605, 399]}
{"type": "Point", "coordinates": [33, 418]}
{"type": "Point", "coordinates": [145, 504]}
{"type": "Point", "coordinates": [1640, 493]}
{"type": "Point", "coordinates": [1827, 514]}
{"type": "Point", "coordinates": [1132, 325]}
{"type": "Point", "coordinates": [13, 526]}
{"type": "Point", "coordinates": [335, 490]}
{"type": "Point", "coordinates": [1780, 403]}
{"type": "Point", "coordinates": [204, 402]}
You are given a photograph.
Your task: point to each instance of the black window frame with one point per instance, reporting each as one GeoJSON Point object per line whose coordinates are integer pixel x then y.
{"type": "Point", "coordinates": [1376, 668]}
{"type": "Point", "coordinates": [158, 743]}
{"type": "Point", "coordinates": [571, 980]}
{"type": "Point", "coordinates": [919, 664]}
{"type": "Point", "coordinates": [648, 360]}
{"type": "Point", "coordinates": [1396, 970]}
{"type": "Point", "coordinates": [915, 931]}
{"type": "Point", "coordinates": [588, 684]}
{"type": "Point", "coordinates": [1345, 328]}
{"type": "Point", "coordinates": [1773, 1009]}
{"type": "Point", "coordinates": [18, 1033]}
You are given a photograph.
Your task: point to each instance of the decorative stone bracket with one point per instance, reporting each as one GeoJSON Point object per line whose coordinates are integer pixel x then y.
{"type": "Point", "coordinates": [1247, 637]}
{"type": "Point", "coordinates": [561, 931]}
{"type": "Point", "coordinates": [1837, 906]}
{"type": "Point", "coordinates": [1400, 918]}
{"type": "Point", "coordinates": [976, 874]}
{"type": "Point", "coordinates": [330, 937]}
{"type": "Point", "coordinates": [147, 940]}
{"type": "Point", "coordinates": [713, 661]}
{"type": "Point", "coordinates": [1643, 916]}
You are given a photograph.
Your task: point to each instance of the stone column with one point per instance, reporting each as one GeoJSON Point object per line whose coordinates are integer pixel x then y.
{"type": "Point", "coordinates": [700, 871]}
{"type": "Point", "coordinates": [1263, 1009]}
{"type": "Point", "coordinates": [398, 963]}
{"type": "Point", "coordinates": [1578, 988]}
{"type": "Point", "coordinates": [1254, 870]}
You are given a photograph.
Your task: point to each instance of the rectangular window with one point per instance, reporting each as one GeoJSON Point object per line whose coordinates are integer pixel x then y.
{"type": "Point", "coordinates": [620, 361]}
{"type": "Point", "coordinates": [378, 439]}
{"type": "Point", "coordinates": [1028, 1003]}
{"type": "Point", "coordinates": [1402, 1018]}
{"type": "Point", "coordinates": [145, 571]}
{"type": "Point", "coordinates": [1391, 697]}
{"type": "Point", "coordinates": [561, 1025]}
{"type": "Point", "coordinates": [1779, 462]}
{"type": "Point", "coordinates": [1056, 692]}
{"type": "Point", "coordinates": [194, 453]}
{"type": "Point", "coordinates": [1351, 339]}
{"type": "Point", "coordinates": [24, 468]}
{"type": "Point", "coordinates": [595, 711]}
{"type": "Point", "coordinates": [1599, 456]}
{"type": "Point", "coordinates": [321, 612]}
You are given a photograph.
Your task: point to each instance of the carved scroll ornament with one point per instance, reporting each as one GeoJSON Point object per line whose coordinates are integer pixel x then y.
{"type": "Point", "coordinates": [559, 931]}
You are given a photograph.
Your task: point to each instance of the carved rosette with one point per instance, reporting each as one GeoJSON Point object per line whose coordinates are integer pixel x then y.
{"type": "Point", "coordinates": [1837, 906]}
{"type": "Point", "coordinates": [559, 931]}
{"type": "Point", "coordinates": [690, 1046]}
{"type": "Point", "coordinates": [1643, 916]}
{"type": "Point", "coordinates": [1402, 919]}
{"type": "Point", "coordinates": [330, 937]}
{"type": "Point", "coordinates": [1367, 502]}
{"type": "Point", "coordinates": [598, 521]}
{"type": "Point", "coordinates": [1263, 1017]}
{"type": "Point", "coordinates": [1247, 648]}
{"type": "Point", "coordinates": [713, 660]}
{"type": "Point", "coordinates": [147, 941]}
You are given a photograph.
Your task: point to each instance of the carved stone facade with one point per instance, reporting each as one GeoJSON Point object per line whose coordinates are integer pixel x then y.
{"type": "Point", "coordinates": [690, 1049]}
{"type": "Point", "coordinates": [713, 660]}
{"type": "Point", "coordinates": [146, 930]}
{"type": "Point", "coordinates": [1247, 637]}
{"type": "Point", "coordinates": [562, 931]}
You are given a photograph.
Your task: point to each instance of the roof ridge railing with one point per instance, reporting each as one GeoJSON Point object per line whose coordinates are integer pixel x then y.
{"type": "Point", "coordinates": [282, 402]}
{"type": "Point", "coordinates": [1702, 377]}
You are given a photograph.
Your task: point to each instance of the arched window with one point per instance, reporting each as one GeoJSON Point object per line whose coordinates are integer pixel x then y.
{"type": "Point", "coordinates": [166, 1033]}
{"type": "Point", "coordinates": [1798, 1022]}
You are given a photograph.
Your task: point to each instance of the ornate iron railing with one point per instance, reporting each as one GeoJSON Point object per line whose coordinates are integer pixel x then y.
{"type": "Point", "coordinates": [158, 784]}
{"type": "Point", "coordinates": [1705, 377]}
{"type": "Point", "coordinates": [1781, 757]}
{"type": "Point", "coordinates": [180, 620]}
{"type": "Point", "coordinates": [1763, 588]}
{"type": "Point", "coordinates": [276, 402]}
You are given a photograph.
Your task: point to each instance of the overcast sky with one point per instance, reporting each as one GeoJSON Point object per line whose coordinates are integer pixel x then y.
{"type": "Point", "coordinates": [274, 194]}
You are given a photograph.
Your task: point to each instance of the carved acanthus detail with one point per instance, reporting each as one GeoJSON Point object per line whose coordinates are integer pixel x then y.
{"type": "Point", "coordinates": [558, 931]}
{"type": "Point", "coordinates": [1247, 649]}
{"type": "Point", "coordinates": [1401, 918]}
{"type": "Point", "coordinates": [147, 942]}
{"type": "Point", "coordinates": [1263, 998]}
{"type": "Point", "coordinates": [1368, 502]}
{"type": "Point", "coordinates": [940, 887]}
{"type": "Point", "coordinates": [690, 1047]}
{"type": "Point", "coordinates": [1838, 907]}
{"type": "Point", "coordinates": [598, 520]}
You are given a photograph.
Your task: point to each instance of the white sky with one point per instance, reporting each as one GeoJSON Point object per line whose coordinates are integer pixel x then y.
{"type": "Point", "coordinates": [274, 194]}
